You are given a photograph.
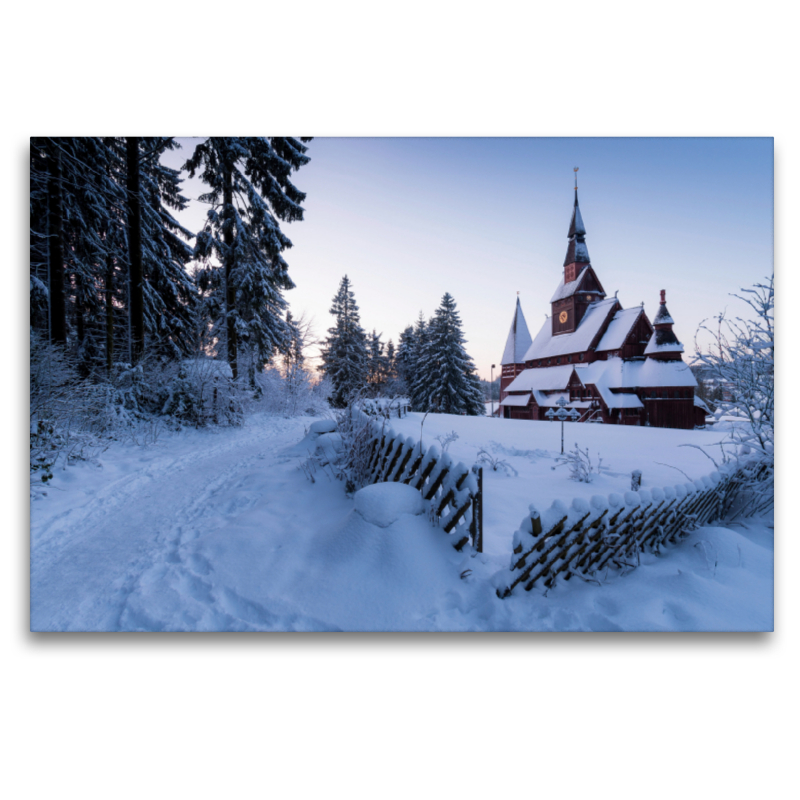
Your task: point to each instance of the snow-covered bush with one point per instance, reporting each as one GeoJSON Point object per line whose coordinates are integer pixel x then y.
{"type": "Point", "coordinates": [741, 359]}
{"type": "Point", "coordinates": [357, 430]}
{"type": "Point", "coordinates": [496, 464]}
{"type": "Point", "coordinates": [580, 465]}
{"type": "Point", "coordinates": [446, 439]}
{"type": "Point", "coordinates": [291, 393]}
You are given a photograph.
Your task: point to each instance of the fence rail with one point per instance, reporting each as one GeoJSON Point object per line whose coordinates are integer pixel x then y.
{"type": "Point", "coordinates": [454, 491]}
{"type": "Point", "coordinates": [611, 532]}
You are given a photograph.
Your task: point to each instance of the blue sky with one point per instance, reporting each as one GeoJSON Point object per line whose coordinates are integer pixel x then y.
{"type": "Point", "coordinates": [409, 219]}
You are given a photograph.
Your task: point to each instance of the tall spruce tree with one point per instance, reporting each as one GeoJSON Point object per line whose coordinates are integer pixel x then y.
{"type": "Point", "coordinates": [169, 293]}
{"type": "Point", "coordinates": [404, 361]}
{"type": "Point", "coordinates": [108, 230]}
{"type": "Point", "coordinates": [344, 354]}
{"type": "Point", "coordinates": [377, 364]}
{"type": "Point", "coordinates": [249, 191]}
{"type": "Point", "coordinates": [421, 366]}
{"type": "Point", "coordinates": [452, 385]}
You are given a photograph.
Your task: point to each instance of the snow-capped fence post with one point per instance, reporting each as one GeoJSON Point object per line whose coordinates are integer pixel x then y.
{"type": "Point", "coordinates": [612, 532]}
{"type": "Point", "coordinates": [476, 526]}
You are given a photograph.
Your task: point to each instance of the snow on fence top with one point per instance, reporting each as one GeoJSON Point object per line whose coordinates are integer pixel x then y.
{"type": "Point", "coordinates": [610, 532]}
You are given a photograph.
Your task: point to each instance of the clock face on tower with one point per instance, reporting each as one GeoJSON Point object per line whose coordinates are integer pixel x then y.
{"type": "Point", "coordinates": [562, 317]}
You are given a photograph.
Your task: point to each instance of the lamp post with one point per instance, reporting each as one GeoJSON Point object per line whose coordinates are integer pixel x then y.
{"type": "Point", "coordinates": [491, 388]}
{"type": "Point", "coordinates": [562, 414]}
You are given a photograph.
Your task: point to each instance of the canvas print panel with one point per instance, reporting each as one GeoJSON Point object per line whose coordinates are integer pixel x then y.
{"type": "Point", "coordinates": [294, 384]}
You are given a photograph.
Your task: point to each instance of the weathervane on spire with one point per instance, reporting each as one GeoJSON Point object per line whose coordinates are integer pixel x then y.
{"type": "Point", "coordinates": [575, 170]}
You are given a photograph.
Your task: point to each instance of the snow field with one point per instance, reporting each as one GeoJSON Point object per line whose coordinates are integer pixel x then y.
{"type": "Point", "coordinates": [221, 530]}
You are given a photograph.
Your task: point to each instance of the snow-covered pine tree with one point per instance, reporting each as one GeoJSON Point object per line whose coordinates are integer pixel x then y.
{"type": "Point", "coordinates": [377, 364]}
{"type": "Point", "coordinates": [81, 223]}
{"type": "Point", "coordinates": [169, 293]}
{"type": "Point", "coordinates": [404, 361]}
{"type": "Point", "coordinates": [453, 387]}
{"type": "Point", "coordinates": [249, 191]}
{"type": "Point", "coordinates": [344, 355]}
{"type": "Point", "coordinates": [96, 229]}
{"type": "Point", "coordinates": [391, 368]}
{"type": "Point", "coordinates": [420, 377]}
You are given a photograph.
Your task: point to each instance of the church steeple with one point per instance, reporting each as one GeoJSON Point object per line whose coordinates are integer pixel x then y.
{"type": "Point", "coordinates": [663, 344]}
{"type": "Point", "coordinates": [519, 339]}
{"type": "Point", "coordinates": [577, 252]}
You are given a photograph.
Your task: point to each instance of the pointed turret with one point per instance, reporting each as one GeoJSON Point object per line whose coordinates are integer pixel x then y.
{"type": "Point", "coordinates": [519, 339]}
{"type": "Point", "coordinates": [663, 344]}
{"type": "Point", "coordinates": [577, 253]}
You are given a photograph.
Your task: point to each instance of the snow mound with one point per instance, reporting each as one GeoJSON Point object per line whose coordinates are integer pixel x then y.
{"type": "Point", "coordinates": [383, 504]}
{"type": "Point", "coordinates": [321, 437]}
{"type": "Point", "coordinates": [323, 426]}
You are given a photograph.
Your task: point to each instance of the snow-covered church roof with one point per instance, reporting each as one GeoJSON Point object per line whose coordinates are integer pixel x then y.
{"type": "Point", "coordinates": [543, 379]}
{"type": "Point", "coordinates": [519, 339]}
{"type": "Point", "coordinates": [545, 345]}
{"type": "Point", "coordinates": [618, 374]}
{"type": "Point", "coordinates": [619, 328]}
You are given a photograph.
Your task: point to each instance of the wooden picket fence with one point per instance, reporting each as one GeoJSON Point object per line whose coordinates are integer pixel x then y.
{"type": "Point", "coordinates": [454, 490]}
{"type": "Point", "coordinates": [610, 533]}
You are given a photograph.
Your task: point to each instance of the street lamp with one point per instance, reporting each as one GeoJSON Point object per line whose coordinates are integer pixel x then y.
{"type": "Point", "coordinates": [491, 389]}
{"type": "Point", "coordinates": [562, 414]}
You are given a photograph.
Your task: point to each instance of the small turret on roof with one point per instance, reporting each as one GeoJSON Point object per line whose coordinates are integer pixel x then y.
{"type": "Point", "coordinates": [663, 343]}
{"type": "Point", "coordinates": [519, 339]}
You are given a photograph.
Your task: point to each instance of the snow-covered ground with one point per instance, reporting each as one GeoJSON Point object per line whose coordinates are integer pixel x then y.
{"type": "Point", "coordinates": [222, 530]}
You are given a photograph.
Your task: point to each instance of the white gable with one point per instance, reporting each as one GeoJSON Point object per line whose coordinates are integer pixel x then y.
{"type": "Point", "coordinates": [519, 339]}
{"type": "Point", "coordinates": [544, 379]}
{"type": "Point", "coordinates": [516, 400]}
{"type": "Point", "coordinates": [618, 329]}
{"type": "Point", "coordinates": [567, 290]}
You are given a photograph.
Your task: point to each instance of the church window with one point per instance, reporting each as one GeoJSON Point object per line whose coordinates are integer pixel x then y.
{"type": "Point", "coordinates": [558, 360]}
{"type": "Point", "coordinates": [580, 357]}
{"type": "Point", "coordinates": [569, 359]}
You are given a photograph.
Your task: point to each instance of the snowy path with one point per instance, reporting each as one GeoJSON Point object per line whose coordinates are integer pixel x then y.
{"type": "Point", "coordinates": [92, 560]}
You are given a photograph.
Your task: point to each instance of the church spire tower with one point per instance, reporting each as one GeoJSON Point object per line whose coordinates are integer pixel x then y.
{"type": "Point", "coordinates": [577, 253]}
{"type": "Point", "coordinates": [517, 345]}
{"type": "Point", "coordinates": [663, 344]}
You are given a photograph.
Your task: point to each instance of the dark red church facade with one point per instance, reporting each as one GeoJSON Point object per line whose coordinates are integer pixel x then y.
{"type": "Point", "coordinates": [610, 364]}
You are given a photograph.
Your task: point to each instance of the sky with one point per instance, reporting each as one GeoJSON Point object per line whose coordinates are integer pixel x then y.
{"type": "Point", "coordinates": [408, 219]}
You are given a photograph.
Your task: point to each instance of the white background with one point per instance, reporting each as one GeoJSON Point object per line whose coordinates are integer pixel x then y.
{"type": "Point", "coordinates": [603, 715]}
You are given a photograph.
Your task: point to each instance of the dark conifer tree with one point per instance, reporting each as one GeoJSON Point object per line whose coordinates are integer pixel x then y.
{"type": "Point", "coordinates": [404, 361]}
{"type": "Point", "coordinates": [377, 364]}
{"type": "Point", "coordinates": [169, 294]}
{"type": "Point", "coordinates": [249, 191]}
{"type": "Point", "coordinates": [452, 385]}
{"type": "Point", "coordinates": [421, 366]}
{"type": "Point", "coordinates": [344, 355]}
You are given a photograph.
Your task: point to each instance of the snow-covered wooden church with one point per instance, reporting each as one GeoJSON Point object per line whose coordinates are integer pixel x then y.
{"type": "Point", "coordinates": [608, 362]}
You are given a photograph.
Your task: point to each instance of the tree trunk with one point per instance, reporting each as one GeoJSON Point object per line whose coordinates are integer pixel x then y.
{"type": "Point", "coordinates": [109, 313]}
{"type": "Point", "coordinates": [230, 293]}
{"type": "Point", "coordinates": [55, 253]}
{"type": "Point", "coordinates": [136, 301]}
